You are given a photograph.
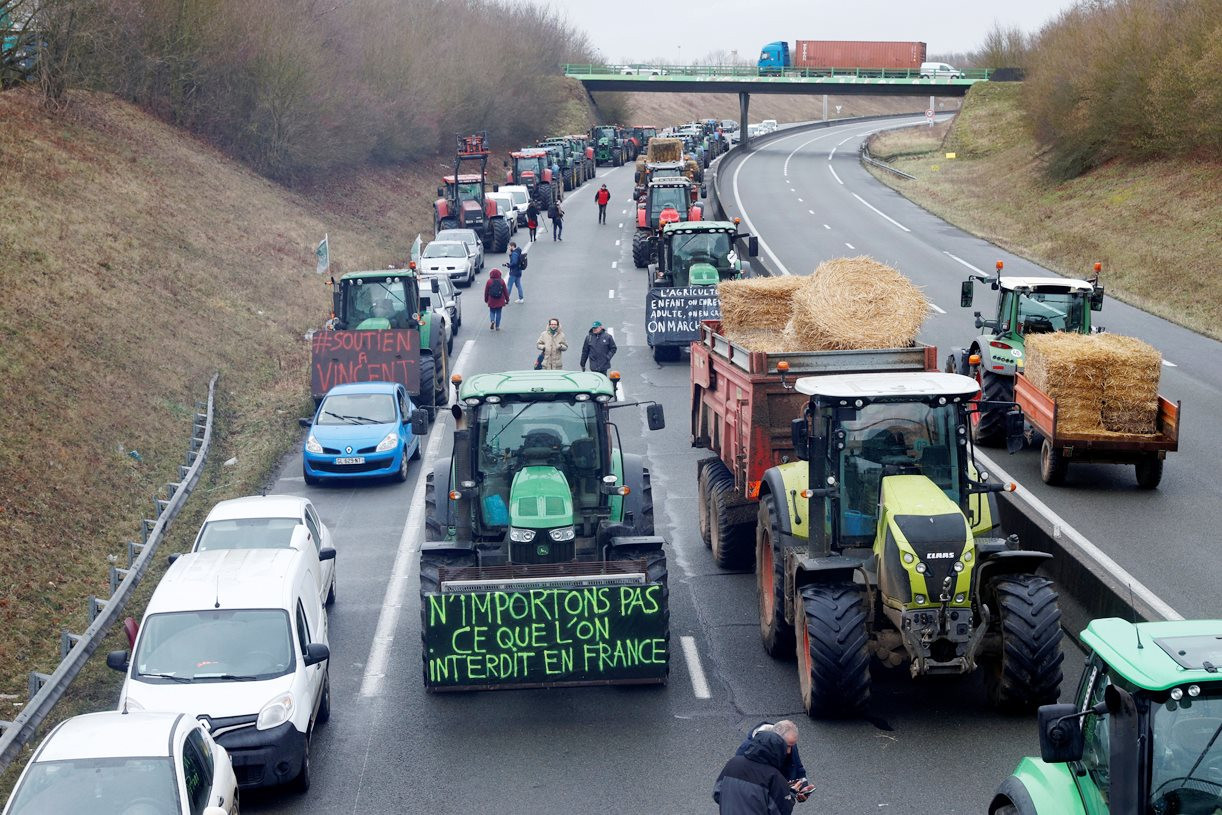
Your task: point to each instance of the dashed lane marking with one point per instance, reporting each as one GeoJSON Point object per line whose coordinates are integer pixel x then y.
{"type": "Point", "coordinates": [700, 685]}
{"type": "Point", "coordinates": [610, 294]}
{"type": "Point", "coordinates": [935, 308]}
{"type": "Point", "coordinates": [851, 246]}
{"type": "Point", "coordinates": [960, 260]}
{"type": "Point", "coordinates": [880, 212]}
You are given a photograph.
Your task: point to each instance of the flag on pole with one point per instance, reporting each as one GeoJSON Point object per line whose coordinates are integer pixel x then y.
{"type": "Point", "coordinates": [323, 256]}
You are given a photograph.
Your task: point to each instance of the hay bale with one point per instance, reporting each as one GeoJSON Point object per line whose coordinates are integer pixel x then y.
{"type": "Point", "coordinates": [855, 303]}
{"type": "Point", "coordinates": [1130, 387]}
{"type": "Point", "coordinates": [768, 340]}
{"type": "Point", "coordinates": [757, 303]}
{"type": "Point", "coordinates": [662, 149]}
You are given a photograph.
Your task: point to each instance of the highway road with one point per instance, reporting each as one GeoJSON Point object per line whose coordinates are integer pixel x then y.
{"type": "Point", "coordinates": [809, 198]}
{"type": "Point", "coordinates": [391, 748]}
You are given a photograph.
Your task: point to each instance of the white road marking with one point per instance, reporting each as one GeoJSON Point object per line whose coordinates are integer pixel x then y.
{"type": "Point", "coordinates": [614, 264]}
{"type": "Point", "coordinates": [851, 246]}
{"type": "Point", "coordinates": [842, 141]}
{"type": "Point", "coordinates": [811, 211]}
{"type": "Point", "coordinates": [880, 212]}
{"type": "Point", "coordinates": [833, 152]}
{"type": "Point", "coordinates": [623, 212]}
{"type": "Point", "coordinates": [935, 308]}
{"type": "Point", "coordinates": [825, 226]}
{"type": "Point", "coordinates": [700, 685]}
{"type": "Point", "coordinates": [800, 201]}
{"type": "Point", "coordinates": [957, 259]}
{"type": "Point", "coordinates": [610, 294]}
{"type": "Point", "coordinates": [409, 544]}
{"type": "Point", "coordinates": [621, 226]}
{"type": "Point", "coordinates": [617, 243]}
{"type": "Point", "coordinates": [1170, 364]}
{"type": "Point", "coordinates": [833, 171]}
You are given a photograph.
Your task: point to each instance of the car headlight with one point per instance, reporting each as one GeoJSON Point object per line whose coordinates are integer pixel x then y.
{"type": "Point", "coordinates": [389, 443]}
{"type": "Point", "coordinates": [563, 533]}
{"type": "Point", "coordinates": [312, 445]}
{"type": "Point", "coordinates": [275, 713]}
{"type": "Point", "coordinates": [521, 535]}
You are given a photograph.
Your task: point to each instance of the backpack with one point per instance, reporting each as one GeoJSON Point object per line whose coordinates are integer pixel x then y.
{"type": "Point", "coordinates": [497, 290]}
{"type": "Point", "coordinates": [522, 262]}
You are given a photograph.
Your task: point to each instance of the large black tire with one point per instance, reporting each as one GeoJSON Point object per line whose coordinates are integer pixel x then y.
{"type": "Point", "coordinates": [1149, 472]}
{"type": "Point", "coordinates": [833, 662]}
{"type": "Point", "coordinates": [641, 248]}
{"type": "Point", "coordinates": [667, 353]}
{"type": "Point", "coordinates": [428, 373]}
{"type": "Point", "coordinates": [1026, 673]}
{"type": "Point", "coordinates": [324, 707]}
{"type": "Point", "coordinates": [617, 158]}
{"type": "Point", "coordinates": [733, 544]}
{"type": "Point", "coordinates": [545, 195]}
{"type": "Point", "coordinates": [775, 632]}
{"type": "Point", "coordinates": [644, 524]}
{"type": "Point", "coordinates": [702, 504]}
{"type": "Point", "coordinates": [447, 223]}
{"type": "Point", "coordinates": [500, 234]}
{"type": "Point", "coordinates": [434, 529]}
{"type": "Point", "coordinates": [1053, 465]}
{"type": "Point", "coordinates": [301, 784]}
{"type": "Point", "coordinates": [432, 562]}
{"type": "Point", "coordinates": [639, 501]}
{"type": "Point", "coordinates": [990, 427]}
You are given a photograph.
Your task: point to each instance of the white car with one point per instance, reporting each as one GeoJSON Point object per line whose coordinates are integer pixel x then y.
{"type": "Point", "coordinates": [272, 522]}
{"type": "Point", "coordinates": [451, 258]}
{"type": "Point", "coordinates": [473, 242]}
{"type": "Point", "coordinates": [445, 291]}
{"type": "Point", "coordinates": [434, 302]}
{"type": "Point", "coordinates": [521, 200]}
{"type": "Point", "coordinates": [505, 208]}
{"type": "Point", "coordinates": [642, 70]}
{"type": "Point", "coordinates": [768, 125]}
{"type": "Point", "coordinates": [129, 763]}
{"type": "Point", "coordinates": [939, 70]}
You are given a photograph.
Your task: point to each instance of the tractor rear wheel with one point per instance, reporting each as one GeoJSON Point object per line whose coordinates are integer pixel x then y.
{"type": "Point", "coordinates": [1027, 671]}
{"type": "Point", "coordinates": [433, 527]}
{"type": "Point", "coordinates": [544, 193]}
{"type": "Point", "coordinates": [989, 428]}
{"type": "Point", "coordinates": [431, 564]}
{"type": "Point", "coordinates": [833, 662]}
{"type": "Point", "coordinates": [500, 234]}
{"type": "Point", "coordinates": [1149, 472]}
{"type": "Point", "coordinates": [702, 502]}
{"type": "Point", "coordinates": [776, 633]}
{"type": "Point", "coordinates": [731, 545]}
{"type": "Point", "coordinates": [1053, 465]}
{"type": "Point", "coordinates": [566, 180]}
{"type": "Point", "coordinates": [447, 223]}
{"type": "Point", "coordinates": [641, 249]}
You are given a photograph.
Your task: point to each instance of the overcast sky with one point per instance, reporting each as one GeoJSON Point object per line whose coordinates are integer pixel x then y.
{"type": "Point", "coordinates": [640, 31]}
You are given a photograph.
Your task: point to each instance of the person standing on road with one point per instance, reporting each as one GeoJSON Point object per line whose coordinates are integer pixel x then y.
{"type": "Point", "coordinates": [515, 271]}
{"type": "Point", "coordinates": [532, 218]}
{"type": "Point", "coordinates": [552, 343]}
{"type": "Point", "coordinates": [598, 349]}
{"type": "Point", "coordinates": [556, 213]}
{"type": "Point", "coordinates": [601, 198]}
{"type": "Point", "coordinates": [496, 295]}
{"type": "Point", "coordinates": [791, 768]}
{"type": "Point", "coordinates": [752, 784]}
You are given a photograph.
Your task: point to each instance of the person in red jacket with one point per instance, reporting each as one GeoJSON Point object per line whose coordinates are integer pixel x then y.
{"type": "Point", "coordinates": [496, 295]}
{"type": "Point", "coordinates": [601, 198]}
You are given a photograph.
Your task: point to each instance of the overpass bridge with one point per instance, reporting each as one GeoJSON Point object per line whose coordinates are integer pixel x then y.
{"type": "Point", "coordinates": [746, 80]}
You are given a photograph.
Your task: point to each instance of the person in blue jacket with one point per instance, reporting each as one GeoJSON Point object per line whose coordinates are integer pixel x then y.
{"type": "Point", "coordinates": [792, 769]}
{"type": "Point", "coordinates": [752, 783]}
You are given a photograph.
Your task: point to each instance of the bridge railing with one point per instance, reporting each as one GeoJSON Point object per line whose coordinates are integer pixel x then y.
{"type": "Point", "coordinates": [752, 71]}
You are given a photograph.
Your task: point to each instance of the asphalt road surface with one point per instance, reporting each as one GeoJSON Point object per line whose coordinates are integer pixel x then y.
{"type": "Point", "coordinates": [930, 747]}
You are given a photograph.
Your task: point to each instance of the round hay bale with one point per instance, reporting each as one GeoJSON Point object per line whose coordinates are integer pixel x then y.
{"type": "Point", "coordinates": [856, 303]}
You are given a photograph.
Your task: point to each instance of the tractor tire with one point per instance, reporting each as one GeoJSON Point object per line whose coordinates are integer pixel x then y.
{"type": "Point", "coordinates": [989, 428]}
{"type": "Point", "coordinates": [428, 373]}
{"type": "Point", "coordinates": [732, 546]}
{"type": "Point", "coordinates": [641, 249]}
{"type": "Point", "coordinates": [447, 223]}
{"type": "Point", "coordinates": [617, 159]}
{"type": "Point", "coordinates": [1027, 671]}
{"type": "Point", "coordinates": [702, 503]}
{"type": "Point", "coordinates": [430, 565]}
{"type": "Point", "coordinates": [546, 196]}
{"type": "Point", "coordinates": [639, 500]}
{"type": "Point", "coordinates": [833, 661]}
{"type": "Point", "coordinates": [566, 180]}
{"type": "Point", "coordinates": [434, 530]}
{"type": "Point", "coordinates": [1053, 465]}
{"type": "Point", "coordinates": [500, 234]}
{"type": "Point", "coordinates": [775, 632]}
{"type": "Point", "coordinates": [1149, 472]}
{"type": "Point", "coordinates": [667, 353]}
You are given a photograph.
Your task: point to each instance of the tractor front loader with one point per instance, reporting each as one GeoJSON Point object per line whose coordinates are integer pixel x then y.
{"type": "Point", "coordinates": [462, 200]}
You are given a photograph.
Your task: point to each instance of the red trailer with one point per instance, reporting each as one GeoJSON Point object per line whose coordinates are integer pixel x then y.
{"type": "Point", "coordinates": [741, 411]}
{"type": "Point", "coordinates": [854, 54]}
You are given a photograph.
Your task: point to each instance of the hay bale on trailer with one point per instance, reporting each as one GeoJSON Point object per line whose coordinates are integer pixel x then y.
{"type": "Point", "coordinates": [856, 303]}
{"type": "Point", "coordinates": [762, 303]}
{"type": "Point", "coordinates": [663, 149]}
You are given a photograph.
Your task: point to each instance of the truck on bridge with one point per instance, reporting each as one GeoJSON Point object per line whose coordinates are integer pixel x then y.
{"type": "Point", "coordinates": [818, 55]}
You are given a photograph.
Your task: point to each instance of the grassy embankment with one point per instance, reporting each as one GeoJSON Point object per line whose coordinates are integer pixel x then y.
{"type": "Point", "coordinates": [1156, 225]}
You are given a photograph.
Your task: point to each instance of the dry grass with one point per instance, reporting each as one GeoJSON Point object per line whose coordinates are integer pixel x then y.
{"type": "Point", "coordinates": [1156, 226]}
{"type": "Point", "coordinates": [665, 109]}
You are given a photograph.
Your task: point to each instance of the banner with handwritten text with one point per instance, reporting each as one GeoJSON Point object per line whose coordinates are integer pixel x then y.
{"type": "Point", "coordinates": [339, 357]}
{"type": "Point", "coordinates": [673, 315]}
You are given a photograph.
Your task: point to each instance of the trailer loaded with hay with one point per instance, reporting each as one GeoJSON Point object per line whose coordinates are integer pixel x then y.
{"type": "Point", "coordinates": [1094, 398]}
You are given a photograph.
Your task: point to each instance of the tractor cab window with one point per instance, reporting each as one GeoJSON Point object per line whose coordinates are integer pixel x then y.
{"type": "Point", "coordinates": [662, 197]}
{"type": "Point", "coordinates": [1096, 753]}
{"type": "Point", "coordinates": [893, 438]}
{"type": "Point", "coordinates": [1043, 312]}
{"type": "Point", "coordinates": [559, 434]}
{"type": "Point", "coordinates": [383, 303]}
{"type": "Point", "coordinates": [1186, 771]}
{"type": "Point", "coordinates": [469, 191]}
{"type": "Point", "coordinates": [712, 248]}
{"type": "Point", "coordinates": [526, 165]}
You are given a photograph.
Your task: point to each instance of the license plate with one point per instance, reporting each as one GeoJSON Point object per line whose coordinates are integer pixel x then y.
{"type": "Point", "coordinates": [353, 460]}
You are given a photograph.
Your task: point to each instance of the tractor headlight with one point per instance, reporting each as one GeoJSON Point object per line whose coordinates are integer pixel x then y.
{"type": "Point", "coordinates": [967, 557]}
{"type": "Point", "coordinates": [563, 533]}
{"type": "Point", "coordinates": [389, 443]}
{"type": "Point", "coordinates": [312, 445]}
{"type": "Point", "coordinates": [920, 568]}
{"type": "Point", "coordinates": [908, 558]}
{"type": "Point", "coordinates": [959, 598]}
{"type": "Point", "coordinates": [920, 599]}
{"type": "Point", "coordinates": [521, 535]}
{"type": "Point", "coordinates": [958, 566]}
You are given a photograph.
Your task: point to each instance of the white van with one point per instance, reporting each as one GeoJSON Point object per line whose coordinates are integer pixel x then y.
{"type": "Point", "coordinates": [238, 639]}
{"type": "Point", "coordinates": [768, 125]}
{"type": "Point", "coordinates": [939, 70]}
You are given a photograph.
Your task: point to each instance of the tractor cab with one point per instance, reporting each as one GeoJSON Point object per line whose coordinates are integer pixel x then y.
{"type": "Point", "coordinates": [376, 300]}
{"type": "Point", "coordinates": [462, 202]}
{"type": "Point", "coordinates": [529, 167]}
{"type": "Point", "coordinates": [667, 194]}
{"type": "Point", "coordinates": [700, 254]}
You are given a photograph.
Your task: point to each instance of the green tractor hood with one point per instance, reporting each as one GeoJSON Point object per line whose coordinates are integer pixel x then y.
{"type": "Point", "coordinates": [540, 498]}
{"type": "Point", "coordinates": [703, 274]}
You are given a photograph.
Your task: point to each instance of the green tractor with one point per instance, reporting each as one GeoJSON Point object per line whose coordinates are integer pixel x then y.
{"type": "Point", "coordinates": [876, 542]}
{"type": "Point", "coordinates": [540, 512]}
{"type": "Point", "coordinates": [572, 168]}
{"type": "Point", "coordinates": [1025, 305]}
{"type": "Point", "coordinates": [609, 146]}
{"type": "Point", "coordinates": [1143, 735]}
{"type": "Point", "coordinates": [378, 332]}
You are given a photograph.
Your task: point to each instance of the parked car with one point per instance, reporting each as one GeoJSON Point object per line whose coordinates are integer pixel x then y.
{"type": "Point", "coordinates": [505, 208]}
{"type": "Point", "coordinates": [939, 70]}
{"type": "Point", "coordinates": [447, 296]}
{"type": "Point", "coordinates": [272, 522]}
{"type": "Point", "coordinates": [642, 70]}
{"type": "Point", "coordinates": [127, 762]}
{"type": "Point", "coordinates": [521, 200]}
{"type": "Point", "coordinates": [237, 638]}
{"type": "Point", "coordinates": [433, 302]}
{"type": "Point", "coordinates": [363, 430]}
{"type": "Point", "coordinates": [450, 258]}
{"type": "Point", "coordinates": [474, 244]}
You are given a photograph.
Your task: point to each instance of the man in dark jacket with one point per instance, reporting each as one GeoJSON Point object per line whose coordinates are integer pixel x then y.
{"type": "Point", "coordinates": [598, 349]}
{"type": "Point", "coordinates": [792, 768]}
{"type": "Point", "coordinates": [753, 784]}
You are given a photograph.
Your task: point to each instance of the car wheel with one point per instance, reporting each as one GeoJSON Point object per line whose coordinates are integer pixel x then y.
{"type": "Point", "coordinates": [416, 453]}
{"type": "Point", "coordinates": [302, 782]}
{"type": "Point", "coordinates": [324, 707]}
{"type": "Point", "coordinates": [331, 598]}
{"type": "Point", "coordinates": [401, 475]}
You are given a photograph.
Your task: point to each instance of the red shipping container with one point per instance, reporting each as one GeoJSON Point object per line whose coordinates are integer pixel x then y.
{"type": "Point", "coordinates": [854, 54]}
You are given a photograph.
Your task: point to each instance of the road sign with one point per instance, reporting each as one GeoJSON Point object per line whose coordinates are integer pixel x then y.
{"type": "Point", "coordinates": [929, 113]}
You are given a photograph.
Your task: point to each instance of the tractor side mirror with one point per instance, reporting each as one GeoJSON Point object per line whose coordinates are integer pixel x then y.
{"type": "Point", "coordinates": [1015, 431]}
{"type": "Point", "coordinates": [966, 291]}
{"type": "Point", "coordinates": [979, 319]}
{"type": "Point", "coordinates": [1096, 298]}
{"type": "Point", "coordinates": [440, 192]}
{"type": "Point", "coordinates": [800, 434]}
{"type": "Point", "coordinates": [420, 422]}
{"type": "Point", "coordinates": [1061, 738]}
{"type": "Point", "coordinates": [753, 247]}
{"type": "Point", "coordinates": [654, 417]}
{"type": "Point", "coordinates": [305, 422]}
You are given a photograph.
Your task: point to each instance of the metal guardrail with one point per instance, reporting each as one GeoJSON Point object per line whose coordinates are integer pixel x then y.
{"type": "Point", "coordinates": [864, 153]}
{"type": "Point", "coordinates": [656, 72]}
{"type": "Point", "coordinates": [75, 649]}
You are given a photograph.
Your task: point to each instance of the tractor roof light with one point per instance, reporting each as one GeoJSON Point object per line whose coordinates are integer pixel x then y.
{"type": "Point", "coordinates": [782, 367]}
{"type": "Point", "coordinates": [1177, 694]}
{"type": "Point", "coordinates": [1098, 267]}
{"type": "Point", "coordinates": [613, 376]}
{"type": "Point", "coordinates": [602, 397]}
{"type": "Point", "coordinates": [456, 379]}
{"type": "Point", "coordinates": [1000, 265]}
{"type": "Point", "coordinates": [1194, 691]}
{"type": "Point", "coordinates": [610, 479]}
{"type": "Point", "coordinates": [467, 485]}
{"type": "Point", "coordinates": [581, 397]}
{"type": "Point", "coordinates": [471, 401]}
{"type": "Point", "coordinates": [920, 568]}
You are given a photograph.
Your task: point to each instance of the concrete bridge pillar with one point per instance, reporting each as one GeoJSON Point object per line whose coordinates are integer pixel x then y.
{"type": "Point", "coordinates": [744, 102]}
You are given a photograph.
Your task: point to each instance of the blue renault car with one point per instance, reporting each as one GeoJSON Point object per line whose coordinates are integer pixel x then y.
{"type": "Point", "coordinates": [363, 430]}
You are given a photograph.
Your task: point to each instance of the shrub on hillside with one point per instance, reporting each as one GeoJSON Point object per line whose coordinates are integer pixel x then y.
{"type": "Point", "coordinates": [1127, 79]}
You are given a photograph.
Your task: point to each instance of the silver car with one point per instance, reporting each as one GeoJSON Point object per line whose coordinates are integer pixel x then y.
{"type": "Point", "coordinates": [444, 291]}
{"type": "Point", "coordinates": [450, 258]}
{"type": "Point", "coordinates": [475, 246]}
{"type": "Point", "coordinates": [504, 208]}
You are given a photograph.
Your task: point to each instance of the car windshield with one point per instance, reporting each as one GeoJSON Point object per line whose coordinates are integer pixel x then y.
{"type": "Point", "coordinates": [894, 437]}
{"type": "Point", "coordinates": [98, 785]}
{"type": "Point", "coordinates": [520, 197]}
{"type": "Point", "coordinates": [445, 250]}
{"type": "Point", "coordinates": [1186, 771]}
{"type": "Point", "coordinates": [214, 645]}
{"type": "Point", "coordinates": [247, 533]}
{"type": "Point", "coordinates": [662, 197]}
{"type": "Point", "coordinates": [1050, 311]}
{"type": "Point", "coordinates": [357, 408]}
